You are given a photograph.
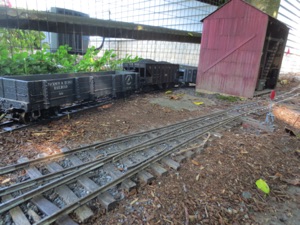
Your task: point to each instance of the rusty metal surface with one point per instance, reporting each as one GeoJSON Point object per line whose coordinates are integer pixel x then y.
{"type": "Point", "coordinates": [232, 43]}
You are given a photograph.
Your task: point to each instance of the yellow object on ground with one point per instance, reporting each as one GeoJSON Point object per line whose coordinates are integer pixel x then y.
{"type": "Point", "coordinates": [198, 103]}
{"type": "Point", "coordinates": [263, 186]}
{"type": "Point", "coordinates": [284, 82]}
{"type": "Point", "coordinates": [168, 92]}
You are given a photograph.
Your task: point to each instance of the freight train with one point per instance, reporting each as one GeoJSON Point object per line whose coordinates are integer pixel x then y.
{"type": "Point", "coordinates": [28, 98]}
{"type": "Point", "coordinates": [162, 73]}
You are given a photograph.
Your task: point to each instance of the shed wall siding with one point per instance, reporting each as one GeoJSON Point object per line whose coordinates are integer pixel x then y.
{"type": "Point", "coordinates": [231, 48]}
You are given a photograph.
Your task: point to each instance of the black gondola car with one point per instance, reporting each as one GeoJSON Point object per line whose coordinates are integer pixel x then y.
{"type": "Point", "coordinates": [38, 94]}
{"type": "Point", "coordinates": [161, 74]}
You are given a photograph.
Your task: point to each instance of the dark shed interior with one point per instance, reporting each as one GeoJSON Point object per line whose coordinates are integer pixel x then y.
{"type": "Point", "coordinates": [273, 52]}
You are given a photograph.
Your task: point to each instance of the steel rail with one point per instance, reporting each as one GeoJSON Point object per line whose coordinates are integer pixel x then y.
{"type": "Point", "coordinates": [14, 167]}
{"type": "Point", "coordinates": [42, 180]}
{"type": "Point", "coordinates": [46, 178]}
{"type": "Point", "coordinates": [82, 201]}
{"type": "Point", "coordinates": [23, 165]}
{"type": "Point", "coordinates": [11, 123]}
{"type": "Point", "coordinates": [69, 208]}
{"type": "Point", "coordinates": [69, 177]}
{"type": "Point", "coordinates": [22, 198]}
{"type": "Point", "coordinates": [63, 113]}
{"type": "Point", "coordinates": [161, 139]}
{"type": "Point", "coordinates": [141, 146]}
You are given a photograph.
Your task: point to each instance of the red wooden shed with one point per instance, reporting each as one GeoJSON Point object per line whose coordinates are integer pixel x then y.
{"type": "Point", "coordinates": [241, 50]}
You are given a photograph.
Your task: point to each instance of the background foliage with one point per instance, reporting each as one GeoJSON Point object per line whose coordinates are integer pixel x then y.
{"type": "Point", "coordinates": [21, 52]}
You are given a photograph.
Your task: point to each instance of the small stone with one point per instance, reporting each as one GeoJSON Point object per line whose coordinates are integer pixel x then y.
{"type": "Point", "coordinates": [229, 210]}
{"type": "Point", "coordinates": [246, 216]}
{"type": "Point", "coordinates": [119, 196]}
{"type": "Point", "coordinates": [283, 218]}
{"type": "Point", "coordinates": [218, 135]}
{"type": "Point", "coordinates": [246, 195]}
{"type": "Point", "coordinates": [7, 219]}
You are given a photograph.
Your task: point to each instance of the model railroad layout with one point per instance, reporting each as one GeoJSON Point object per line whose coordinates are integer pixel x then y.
{"type": "Point", "coordinates": [64, 187]}
{"type": "Point", "coordinates": [70, 182]}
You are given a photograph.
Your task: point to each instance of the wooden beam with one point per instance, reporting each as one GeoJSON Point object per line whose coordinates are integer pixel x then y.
{"type": "Point", "coordinates": [213, 2]}
{"type": "Point", "coordinates": [59, 23]}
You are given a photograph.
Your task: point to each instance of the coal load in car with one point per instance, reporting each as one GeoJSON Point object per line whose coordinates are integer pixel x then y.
{"type": "Point", "coordinates": [152, 73]}
{"type": "Point", "coordinates": [30, 97]}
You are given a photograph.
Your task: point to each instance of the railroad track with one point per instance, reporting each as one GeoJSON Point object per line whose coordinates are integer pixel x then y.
{"type": "Point", "coordinates": [295, 92]}
{"type": "Point", "coordinates": [12, 125]}
{"type": "Point", "coordinates": [57, 185]}
{"type": "Point", "coordinates": [111, 146]}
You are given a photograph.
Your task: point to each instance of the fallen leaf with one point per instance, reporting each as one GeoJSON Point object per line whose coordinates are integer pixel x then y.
{"type": "Point", "coordinates": [134, 201]}
{"type": "Point", "coordinates": [169, 221]}
{"type": "Point", "coordinates": [132, 192]}
{"type": "Point", "coordinates": [38, 134]}
{"type": "Point", "coordinates": [122, 215]}
{"type": "Point", "coordinates": [6, 180]}
{"type": "Point", "coordinates": [107, 106]}
{"type": "Point", "coordinates": [263, 186]}
{"type": "Point", "coordinates": [195, 162]}
{"type": "Point", "coordinates": [99, 156]}
{"type": "Point", "coordinates": [168, 92]}
{"type": "Point", "coordinates": [166, 110]}
{"type": "Point", "coordinates": [295, 182]}
{"type": "Point", "coordinates": [284, 82]}
{"type": "Point", "coordinates": [192, 218]}
{"type": "Point", "coordinates": [174, 97]}
{"type": "Point", "coordinates": [197, 177]}
{"type": "Point", "coordinates": [198, 103]}
{"type": "Point", "coordinates": [244, 152]}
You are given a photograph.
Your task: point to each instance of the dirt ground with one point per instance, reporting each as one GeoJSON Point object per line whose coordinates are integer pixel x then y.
{"type": "Point", "coordinates": [216, 187]}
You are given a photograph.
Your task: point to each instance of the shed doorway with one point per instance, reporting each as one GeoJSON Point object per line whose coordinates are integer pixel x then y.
{"type": "Point", "coordinates": [271, 59]}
